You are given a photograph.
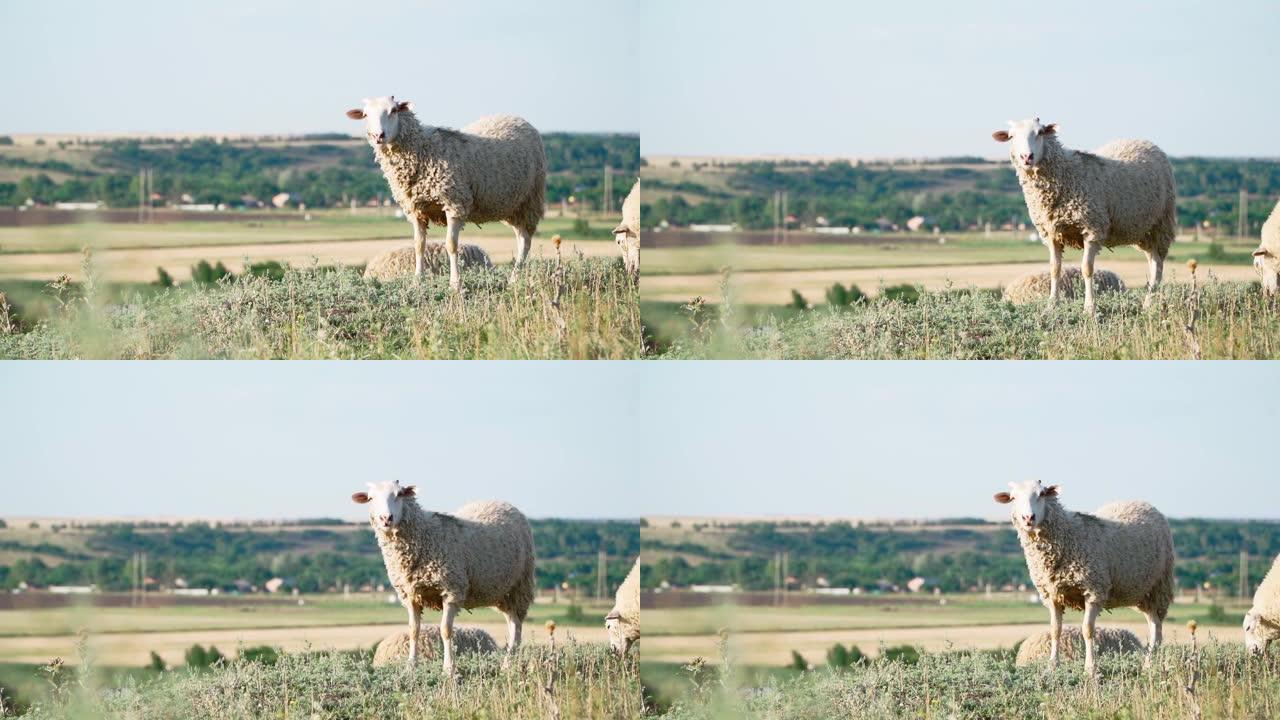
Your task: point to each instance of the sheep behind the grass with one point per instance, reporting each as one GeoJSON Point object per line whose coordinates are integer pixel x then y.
{"type": "Point", "coordinates": [395, 647]}
{"type": "Point", "coordinates": [401, 261]}
{"type": "Point", "coordinates": [481, 555]}
{"type": "Point", "coordinates": [1262, 622]}
{"type": "Point", "coordinates": [627, 234]}
{"type": "Point", "coordinates": [1035, 286]}
{"type": "Point", "coordinates": [1071, 645]}
{"type": "Point", "coordinates": [1267, 257]}
{"type": "Point", "coordinates": [623, 621]}
{"type": "Point", "coordinates": [1121, 555]}
{"type": "Point", "coordinates": [1120, 194]}
{"type": "Point", "coordinates": [494, 169]}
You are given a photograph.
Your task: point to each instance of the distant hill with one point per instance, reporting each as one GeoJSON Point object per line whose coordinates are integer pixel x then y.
{"type": "Point", "coordinates": [313, 555]}
{"type": "Point", "coordinates": [324, 170]}
{"type": "Point", "coordinates": [956, 555]}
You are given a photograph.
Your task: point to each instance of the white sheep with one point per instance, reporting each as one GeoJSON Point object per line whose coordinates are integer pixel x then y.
{"type": "Point", "coordinates": [1267, 257]}
{"type": "Point", "coordinates": [1036, 286]}
{"type": "Point", "coordinates": [1071, 645]}
{"type": "Point", "coordinates": [1120, 194]}
{"type": "Point", "coordinates": [1119, 556]}
{"type": "Point", "coordinates": [495, 169]}
{"type": "Point", "coordinates": [479, 556]}
{"type": "Point", "coordinates": [395, 647]}
{"type": "Point", "coordinates": [627, 234]}
{"type": "Point", "coordinates": [1262, 622]}
{"type": "Point", "coordinates": [623, 621]}
{"type": "Point", "coordinates": [402, 261]}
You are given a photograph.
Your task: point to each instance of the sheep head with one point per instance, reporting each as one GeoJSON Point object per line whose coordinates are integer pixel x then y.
{"type": "Point", "coordinates": [381, 118]}
{"type": "Point", "coordinates": [1029, 502]}
{"type": "Point", "coordinates": [386, 502]}
{"type": "Point", "coordinates": [1028, 139]}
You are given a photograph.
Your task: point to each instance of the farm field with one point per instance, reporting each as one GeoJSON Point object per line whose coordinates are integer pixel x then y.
{"type": "Point", "coordinates": [125, 637]}
{"type": "Point", "coordinates": [130, 252]}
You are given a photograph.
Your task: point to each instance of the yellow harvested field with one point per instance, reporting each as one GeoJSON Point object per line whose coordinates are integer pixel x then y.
{"type": "Point", "coordinates": [139, 265]}
{"type": "Point", "coordinates": [133, 649]}
{"type": "Point", "coordinates": [774, 648]}
{"type": "Point", "coordinates": [774, 287]}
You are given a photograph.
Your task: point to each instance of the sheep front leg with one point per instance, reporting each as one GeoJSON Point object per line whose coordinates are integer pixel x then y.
{"type": "Point", "coordinates": [1155, 272]}
{"type": "Point", "coordinates": [1055, 271]}
{"type": "Point", "coordinates": [415, 626]}
{"type": "Point", "coordinates": [451, 246]}
{"type": "Point", "coordinates": [1154, 631]}
{"type": "Point", "coordinates": [446, 634]}
{"type": "Point", "coordinates": [419, 247]}
{"type": "Point", "coordinates": [514, 625]}
{"type": "Point", "coordinates": [1091, 608]}
{"type": "Point", "coordinates": [1055, 633]}
{"type": "Point", "coordinates": [1086, 269]}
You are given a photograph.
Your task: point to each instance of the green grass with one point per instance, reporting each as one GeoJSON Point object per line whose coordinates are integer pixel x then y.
{"type": "Point", "coordinates": [978, 685]}
{"type": "Point", "coordinates": [1235, 321]}
{"type": "Point", "coordinates": [575, 681]}
{"type": "Point", "coordinates": [325, 313]}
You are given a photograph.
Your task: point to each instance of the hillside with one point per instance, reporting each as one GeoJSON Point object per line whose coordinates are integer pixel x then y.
{"type": "Point", "coordinates": [311, 555]}
{"type": "Point", "coordinates": [956, 556]}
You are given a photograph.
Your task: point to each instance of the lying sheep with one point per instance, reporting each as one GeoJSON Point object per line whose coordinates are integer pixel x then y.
{"type": "Point", "coordinates": [493, 169]}
{"type": "Point", "coordinates": [623, 621]}
{"type": "Point", "coordinates": [1262, 622]}
{"type": "Point", "coordinates": [1071, 645]}
{"type": "Point", "coordinates": [1119, 556]}
{"type": "Point", "coordinates": [480, 556]}
{"type": "Point", "coordinates": [627, 234]}
{"type": "Point", "coordinates": [1267, 257]}
{"type": "Point", "coordinates": [399, 262]}
{"type": "Point", "coordinates": [1036, 286]}
{"type": "Point", "coordinates": [395, 647]}
{"type": "Point", "coordinates": [1120, 194]}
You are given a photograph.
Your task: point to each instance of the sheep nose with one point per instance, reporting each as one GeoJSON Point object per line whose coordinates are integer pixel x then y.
{"type": "Point", "coordinates": [382, 136]}
{"type": "Point", "coordinates": [1028, 519]}
{"type": "Point", "coordinates": [386, 519]}
{"type": "Point", "coordinates": [1027, 157]}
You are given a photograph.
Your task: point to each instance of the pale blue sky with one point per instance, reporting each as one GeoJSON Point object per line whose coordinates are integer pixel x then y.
{"type": "Point", "coordinates": [274, 66]}
{"type": "Point", "coordinates": [907, 439]}
{"type": "Point", "coordinates": [936, 77]}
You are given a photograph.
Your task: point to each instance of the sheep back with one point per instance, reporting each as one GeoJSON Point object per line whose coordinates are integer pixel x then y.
{"type": "Point", "coordinates": [1071, 644]}
{"type": "Point", "coordinates": [1266, 599]}
{"type": "Point", "coordinates": [1034, 286]}
{"type": "Point", "coordinates": [394, 648]}
{"type": "Point", "coordinates": [626, 608]}
{"type": "Point", "coordinates": [1271, 243]}
{"type": "Point", "coordinates": [402, 261]}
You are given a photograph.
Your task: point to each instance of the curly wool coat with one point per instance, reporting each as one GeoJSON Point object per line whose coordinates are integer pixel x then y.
{"type": "Point", "coordinates": [1266, 602]}
{"type": "Point", "coordinates": [1119, 556]}
{"type": "Point", "coordinates": [1267, 256]}
{"type": "Point", "coordinates": [1122, 194]}
{"type": "Point", "coordinates": [623, 621]}
{"type": "Point", "coordinates": [394, 648]}
{"type": "Point", "coordinates": [1034, 286]}
{"type": "Point", "coordinates": [402, 261]}
{"type": "Point", "coordinates": [1109, 640]}
{"type": "Point", "coordinates": [494, 169]}
{"type": "Point", "coordinates": [480, 556]}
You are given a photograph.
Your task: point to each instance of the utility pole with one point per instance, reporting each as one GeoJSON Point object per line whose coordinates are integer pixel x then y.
{"type": "Point", "coordinates": [777, 578]}
{"type": "Point", "coordinates": [142, 191]}
{"type": "Point", "coordinates": [601, 584]}
{"type": "Point", "coordinates": [1242, 229]}
{"type": "Point", "coordinates": [142, 579]}
{"type": "Point", "coordinates": [1244, 574]}
{"type": "Point", "coordinates": [786, 562]}
{"type": "Point", "coordinates": [777, 215]}
{"type": "Point", "coordinates": [608, 189]}
{"type": "Point", "coordinates": [784, 217]}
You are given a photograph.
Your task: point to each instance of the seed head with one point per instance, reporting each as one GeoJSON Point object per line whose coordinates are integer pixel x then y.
{"type": "Point", "coordinates": [1191, 265]}
{"type": "Point", "coordinates": [551, 626]}
{"type": "Point", "coordinates": [556, 239]}
{"type": "Point", "coordinates": [1192, 625]}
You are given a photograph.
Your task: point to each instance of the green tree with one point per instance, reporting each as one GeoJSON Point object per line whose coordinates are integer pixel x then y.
{"type": "Point", "coordinates": [798, 662]}
{"type": "Point", "coordinates": [163, 278]}
{"type": "Point", "coordinates": [157, 662]}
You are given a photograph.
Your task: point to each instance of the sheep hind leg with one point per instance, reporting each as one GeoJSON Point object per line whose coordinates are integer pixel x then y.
{"type": "Point", "coordinates": [1086, 271]}
{"type": "Point", "coordinates": [524, 241]}
{"type": "Point", "coordinates": [1091, 609]}
{"type": "Point", "coordinates": [451, 246]}
{"type": "Point", "coordinates": [1155, 272]}
{"type": "Point", "coordinates": [1155, 626]}
{"type": "Point", "coordinates": [446, 635]}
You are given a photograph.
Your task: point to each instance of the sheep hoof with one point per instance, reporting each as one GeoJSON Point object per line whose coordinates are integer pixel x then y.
{"type": "Point", "coordinates": [1146, 301]}
{"type": "Point", "coordinates": [1090, 309]}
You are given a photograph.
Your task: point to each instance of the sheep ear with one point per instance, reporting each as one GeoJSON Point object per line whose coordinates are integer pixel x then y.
{"type": "Point", "coordinates": [360, 497]}
{"type": "Point", "coordinates": [1050, 129]}
{"type": "Point", "coordinates": [1001, 136]}
{"type": "Point", "coordinates": [402, 106]}
{"type": "Point", "coordinates": [355, 114]}
{"type": "Point", "coordinates": [1003, 498]}
{"type": "Point", "coordinates": [408, 491]}
{"type": "Point", "coordinates": [1261, 252]}
{"type": "Point", "coordinates": [1051, 491]}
